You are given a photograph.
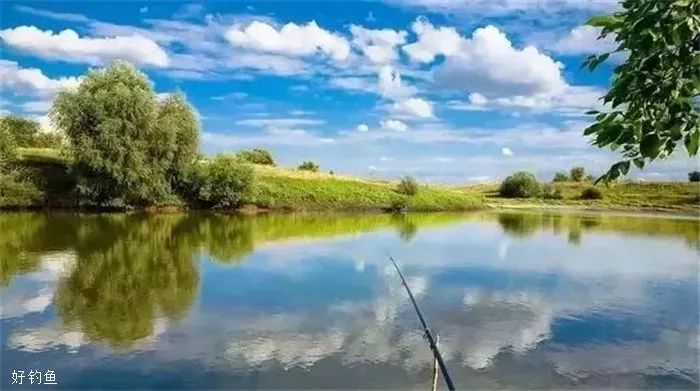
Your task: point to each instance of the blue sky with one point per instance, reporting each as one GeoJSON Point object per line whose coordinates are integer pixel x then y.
{"type": "Point", "coordinates": [448, 91]}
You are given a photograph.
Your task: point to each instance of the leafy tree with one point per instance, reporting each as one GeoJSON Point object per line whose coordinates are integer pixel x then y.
{"type": "Point", "coordinates": [178, 127]}
{"type": "Point", "coordinates": [653, 97]}
{"type": "Point", "coordinates": [407, 185]}
{"type": "Point", "coordinates": [256, 156]}
{"type": "Point", "coordinates": [308, 165]}
{"type": "Point", "coordinates": [694, 176]}
{"type": "Point", "coordinates": [521, 184]}
{"type": "Point", "coordinates": [126, 146]}
{"type": "Point", "coordinates": [228, 182]}
{"type": "Point", "coordinates": [560, 177]}
{"type": "Point", "coordinates": [8, 144]}
{"type": "Point", "coordinates": [22, 130]}
{"type": "Point", "coordinates": [577, 174]}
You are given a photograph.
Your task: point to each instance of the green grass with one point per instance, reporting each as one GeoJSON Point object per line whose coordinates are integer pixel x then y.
{"type": "Point", "coordinates": [279, 188]}
{"type": "Point", "coordinates": [625, 195]}
{"type": "Point", "coordinates": [41, 155]}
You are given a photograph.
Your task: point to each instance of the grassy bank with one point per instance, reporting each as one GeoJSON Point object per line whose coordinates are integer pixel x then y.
{"type": "Point", "coordinates": [278, 188]}
{"type": "Point", "coordinates": [675, 197]}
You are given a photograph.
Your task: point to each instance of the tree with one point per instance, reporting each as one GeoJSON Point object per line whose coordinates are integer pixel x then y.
{"type": "Point", "coordinates": [228, 182]}
{"type": "Point", "coordinates": [407, 185]}
{"type": "Point", "coordinates": [577, 174]}
{"type": "Point", "coordinates": [256, 156]}
{"type": "Point", "coordinates": [308, 165]}
{"type": "Point", "coordinates": [178, 127]}
{"type": "Point", "coordinates": [521, 184]}
{"type": "Point", "coordinates": [694, 176]}
{"type": "Point", "coordinates": [560, 177]}
{"type": "Point", "coordinates": [653, 97]}
{"type": "Point", "coordinates": [22, 130]}
{"type": "Point", "coordinates": [125, 145]}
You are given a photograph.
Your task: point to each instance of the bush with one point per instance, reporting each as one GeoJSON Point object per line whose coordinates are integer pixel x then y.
{"type": "Point", "coordinates": [560, 177]}
{"type": "Point", "coordinates": [522, 184]}
{"type": "Point", "coordinates": [577, 174]}
{"type": "Point", "coordinates": [228, 182]}
{"type": "Point", "coordinates": [399, 205]}
{"type": "Point", "coordinates": [407, 185]}
{"type": "Point", "coordinates": [591, 193]}
{"type": "Point", "coordinates": [17, 191]}
{"type": "Point", "coordinates": [256, 156]}
{"type": "Point", "coordinates": [550, 192]}
{"type": "Point", "coordinates": [308, 165]}
{"type": "Point", "coordinates": [694, 176]}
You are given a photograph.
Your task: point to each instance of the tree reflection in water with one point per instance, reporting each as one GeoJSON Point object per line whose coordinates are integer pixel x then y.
{"type": "Point", "coordinates": [132, 270]}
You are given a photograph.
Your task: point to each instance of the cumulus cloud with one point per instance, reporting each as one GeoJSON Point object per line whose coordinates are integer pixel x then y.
{"type": "Point", "coordinates": [584, 40]}
{"type": "Point", "coordinates": [413, 107]}
{"type": "Point", "coordinates": [391, 86]}
{"type": "Point", "coordinates": [432, 41]}
{"type": "Point", "coordinates": [291, 39]}
{"type": "Point", "coordinates": [488, 64]}
{"type": "Point", "coordinates": [379, 46]}
{"type": "Point", "coordinates": [31, 80]}
{"type": "Point", "coordinates": [67, 45]}
{"type": "Point", "coordinates": [393, 125]}
{"type": "Point", "coordinates": [362, 128]}
{"type": "Point", "coordinates": [505, 151]}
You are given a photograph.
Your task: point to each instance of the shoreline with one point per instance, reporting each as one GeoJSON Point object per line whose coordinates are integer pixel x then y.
{"type": "Point", "coordinates": [252, 210]}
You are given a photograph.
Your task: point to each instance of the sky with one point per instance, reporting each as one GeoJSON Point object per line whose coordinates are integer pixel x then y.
{"type": "Point", "coordinates": [449, 91]}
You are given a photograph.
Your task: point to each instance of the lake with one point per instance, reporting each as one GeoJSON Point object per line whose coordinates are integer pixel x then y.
{"type": "Point", "coordinates": [182, 301]}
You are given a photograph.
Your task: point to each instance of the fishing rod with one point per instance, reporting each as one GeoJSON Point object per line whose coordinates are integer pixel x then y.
{"type": "Point", "coordinates": [428, 334]}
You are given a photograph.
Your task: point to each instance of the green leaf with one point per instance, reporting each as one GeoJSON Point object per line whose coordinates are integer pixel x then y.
{"type": "Point", "coordinates": [639, 162]}
{"type": "Point", "coordinates": [649, 147]}
{"type": "Point", "coordinates": [691, 142]}
{"type": "Point", "coordinates": [602, 21]}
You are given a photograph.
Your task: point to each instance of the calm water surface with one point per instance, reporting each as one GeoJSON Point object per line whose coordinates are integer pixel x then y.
{"type": "Point", "coordinates": [520, 300]}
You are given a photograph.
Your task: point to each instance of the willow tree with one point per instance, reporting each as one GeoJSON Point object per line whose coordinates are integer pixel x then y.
{"type": "Point", "coordinates": [653, 100]}
{"type": "Point", "coordinates": [126, 146]}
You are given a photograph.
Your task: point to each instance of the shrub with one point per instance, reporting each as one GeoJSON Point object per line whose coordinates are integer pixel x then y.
{"type": "Point", "coordinates": [407, 185]}
{"type": "Point", "coordinates": [16, 190]}
{"type": "Point", "coordinates": [560, 177]}
{"type": "Point", "coordinates": [399, 204]}
{"type": "Point", "coordinates": [522, 184]}
{"type": "Point", "coordinates": [577, 174]}
{"type": "Point", "coordinates": [694, 176]}
{"type": "Point", "coordinates": [591, 178]}
{"type": "Point", "coordinates": [550, 192]}
{"type": "Point", "coordinates": [591, 193]}
{"type": "Point", "coordinates": [308, 165]}
{"type": "Point", "coordinates": [228, 182]}
{"type": "Point", "coordinates": [256, 156]}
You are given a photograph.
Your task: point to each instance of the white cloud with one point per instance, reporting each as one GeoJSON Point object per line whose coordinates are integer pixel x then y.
{"type": "Point", "coordinates": [391, 86]}
{"type": "Point", "coordinates": [393, 125]}
{"type": "Point", "coordinates": [413, 107]}
{"type": "Point", "coordinates": [505, 151]}
{"type": "Point", "coordinates": [379, 46]}
{"type": "Point", "coordinates": [363, 84]}
{"type": "Point", "coordinates": [31, 80]}
{"type": "Point", "coordinates": [362, 128]}
{"type": "Point", "coordinates": [476, 98]}
{"type": "Point", "coordinates": [491, 7]}
{"type": "Point", "coordinates": [488, 64]}
{"type": "Point", "coordinates": [279, 122]}
{"type": "Point", "coordinates": [584, 40]}
{"type": "Point", "coordinates": [291, 39]}
{"type": "Point", "coordinates": [67, 45]}
{"type": "Point", "coordinates": [432, 41]}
